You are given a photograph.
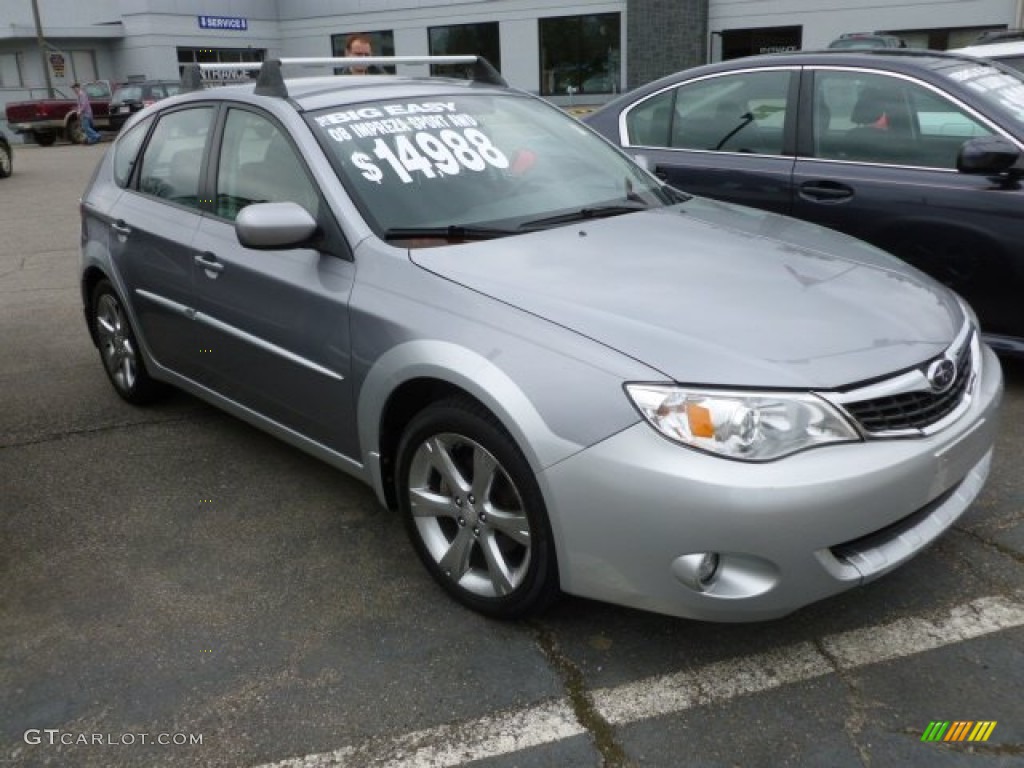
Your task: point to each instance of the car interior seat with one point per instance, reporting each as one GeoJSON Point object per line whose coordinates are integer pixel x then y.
{"type": "Point", "coordinates": [882, 126]}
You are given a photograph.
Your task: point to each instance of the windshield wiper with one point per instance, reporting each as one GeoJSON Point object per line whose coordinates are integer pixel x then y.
{"type": "Point", "coordinates": [452, 232]}
{"type": "Point", "coordinates": [583, 214]}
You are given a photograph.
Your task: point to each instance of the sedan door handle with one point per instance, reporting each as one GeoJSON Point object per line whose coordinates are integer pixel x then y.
{"type": "Point", "coordinates": [121, 228]}
{"type": "Point", "coordinates": [661, 173]}
{"type": "Point", "coordinates": [209, 263]}
{"type": "Point", "coordinates": [825, 191]}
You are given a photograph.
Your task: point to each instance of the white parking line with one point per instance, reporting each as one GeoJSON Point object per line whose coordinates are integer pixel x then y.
{"type": "Point", "coordinates": [511, 731]}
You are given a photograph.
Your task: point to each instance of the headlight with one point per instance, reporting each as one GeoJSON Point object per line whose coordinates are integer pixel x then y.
{"type": "Point", "coordinates": [750, 426]}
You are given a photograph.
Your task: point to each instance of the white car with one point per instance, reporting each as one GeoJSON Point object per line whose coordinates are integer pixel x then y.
{"type": "Point", "coordinates": [1010, 53]}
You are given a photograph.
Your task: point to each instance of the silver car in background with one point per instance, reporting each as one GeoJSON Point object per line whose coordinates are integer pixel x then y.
{"type": "Point", "coordinates": [564, 375]}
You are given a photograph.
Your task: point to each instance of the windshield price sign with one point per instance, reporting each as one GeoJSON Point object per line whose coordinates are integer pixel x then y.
{"type": "Point", "coordinates": [429, 139]}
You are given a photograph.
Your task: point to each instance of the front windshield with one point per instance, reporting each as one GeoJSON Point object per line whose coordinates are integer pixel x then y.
{"type": "Point", "coordinates": [998, 87]}
{"type": "Point", "coordinates": [478, 161]}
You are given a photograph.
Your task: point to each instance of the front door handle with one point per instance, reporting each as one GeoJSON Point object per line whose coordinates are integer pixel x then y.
{"type": "Point", "coordinates": [209, 263]}
{"type": "Point", "coordinates": [121, 228]}
{"type": "Point", "coordinates": [825, 191]}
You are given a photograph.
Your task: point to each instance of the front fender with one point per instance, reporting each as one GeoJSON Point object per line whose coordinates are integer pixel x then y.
{"type": "Point", "coordinates": [470, 372]}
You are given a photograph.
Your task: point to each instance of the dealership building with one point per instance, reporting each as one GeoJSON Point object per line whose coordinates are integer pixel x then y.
{"type": "Point", "coordinates": [581, 51]}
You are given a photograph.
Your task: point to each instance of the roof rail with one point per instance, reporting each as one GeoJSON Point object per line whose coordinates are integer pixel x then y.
{"type": "Point", "coordinates": [271, 81]}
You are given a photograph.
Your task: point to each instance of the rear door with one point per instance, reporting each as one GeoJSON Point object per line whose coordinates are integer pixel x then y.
{"type": "Point", "coordinates": [153, 224]}
{"type": "Point", "coordinates": [729, 136]}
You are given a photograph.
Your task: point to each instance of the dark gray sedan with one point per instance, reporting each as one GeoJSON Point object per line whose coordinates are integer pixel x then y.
{"type": "Point", "coordinates": [917, 152]}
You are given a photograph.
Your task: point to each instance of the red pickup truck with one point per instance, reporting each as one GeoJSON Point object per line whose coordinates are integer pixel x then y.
{"type": "Point", "coordinates": [46, 120]}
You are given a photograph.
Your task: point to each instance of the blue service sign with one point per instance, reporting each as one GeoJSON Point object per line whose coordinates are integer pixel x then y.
{"type": "Point", "coordinates": [223, 22]}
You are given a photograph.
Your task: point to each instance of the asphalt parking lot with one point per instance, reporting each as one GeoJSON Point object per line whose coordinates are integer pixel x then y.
{"type": "Point", "coordinates": [178, 589]}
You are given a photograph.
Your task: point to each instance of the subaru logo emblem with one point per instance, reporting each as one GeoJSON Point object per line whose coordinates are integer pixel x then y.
{"type": "Point", "coordinates": [941, 375]}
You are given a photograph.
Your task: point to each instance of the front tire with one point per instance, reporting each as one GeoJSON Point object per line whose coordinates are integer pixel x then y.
{"type": "Point", "coordinates": [119, 349]}
{"type": "Point", "coordinates": [474, 511]}
{"type": "Point", "coordinates": [6, 162]}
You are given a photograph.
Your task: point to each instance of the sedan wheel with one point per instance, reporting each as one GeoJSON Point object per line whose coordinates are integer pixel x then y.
{"type": "Point", "coordinates": [6, 163]}
{"type": "Point", "coordinates": [474, 512]}
{"type": "Point", "coordinates": [118, 348]}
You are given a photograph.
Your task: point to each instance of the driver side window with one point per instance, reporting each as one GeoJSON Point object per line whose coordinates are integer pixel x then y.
{"type": "Point", "coordinates": [880, 119]}
{"type": "Point", "coordinates": [259, 165]}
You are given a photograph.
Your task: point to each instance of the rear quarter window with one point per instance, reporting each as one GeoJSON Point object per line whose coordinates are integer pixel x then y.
{"type": "Point", "coordinates": [127, 152]}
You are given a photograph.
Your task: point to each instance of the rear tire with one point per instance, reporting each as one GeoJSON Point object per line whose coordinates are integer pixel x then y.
{"type": "Point", "coordinates": [119, 349]}
{"type": "Point", "coordinates": [76, 135]}
{"type": "Point", "coordinates": [46, 139]}
{"type": "Point", "coordinates": [6, 162]}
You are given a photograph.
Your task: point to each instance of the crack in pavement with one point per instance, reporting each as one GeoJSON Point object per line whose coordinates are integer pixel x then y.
{"type": "Point", "coordinates": [613, 755]}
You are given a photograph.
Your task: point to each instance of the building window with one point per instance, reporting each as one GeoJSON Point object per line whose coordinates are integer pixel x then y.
{"type": "Point", "coordinates": [456, 39]}
{"type": "Point", "coordinates": [580, 54]}
{"type": "Point", "coordinates": [382, 42]}
{"type": "Point", "coordinates": [747, 42]}
{"type": "Point", "coordinates": [221, 56]}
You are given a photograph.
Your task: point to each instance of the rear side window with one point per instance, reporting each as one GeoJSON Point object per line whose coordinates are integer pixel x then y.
{"type": "Point", "coordinates": [740, 112]}
{"type": "Point", "coordinates": [172, 161]}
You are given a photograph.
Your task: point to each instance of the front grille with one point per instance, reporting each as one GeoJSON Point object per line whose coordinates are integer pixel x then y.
{"type": "Point", "coordinates": [917, 409]}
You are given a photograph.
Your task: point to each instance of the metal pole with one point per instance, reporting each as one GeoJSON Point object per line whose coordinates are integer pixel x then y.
{"type": "Point", "coordinates": [42, 49]}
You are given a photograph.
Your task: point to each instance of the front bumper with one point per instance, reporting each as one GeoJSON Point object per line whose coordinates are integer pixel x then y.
{"type": "Point", "coordinates": [627, 512]}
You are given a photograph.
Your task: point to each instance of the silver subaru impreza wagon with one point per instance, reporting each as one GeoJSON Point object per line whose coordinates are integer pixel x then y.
{"type": "Point", "coordinates": [564, 375]}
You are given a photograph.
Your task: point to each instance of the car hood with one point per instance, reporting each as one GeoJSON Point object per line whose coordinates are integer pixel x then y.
{"type": "Point", "coordinates": [708, 292]}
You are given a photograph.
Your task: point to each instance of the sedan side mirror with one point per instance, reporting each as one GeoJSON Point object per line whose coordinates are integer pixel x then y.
{"type": "Point", "coordinates": [988, 155]}
{"type": "Point", "coordinates": [270, 226]}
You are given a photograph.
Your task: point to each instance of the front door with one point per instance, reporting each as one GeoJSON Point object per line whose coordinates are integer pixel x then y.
{"type": "Point", "coordinates": [272, 325]}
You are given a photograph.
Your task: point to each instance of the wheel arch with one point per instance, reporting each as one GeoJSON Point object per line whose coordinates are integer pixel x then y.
{"type": "Point", "coordinates": [90, 279]}
{"type": "Point", "coordinates": [413, 375]}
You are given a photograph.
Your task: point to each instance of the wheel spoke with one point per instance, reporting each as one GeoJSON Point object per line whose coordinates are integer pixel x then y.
{"type": "Point", "coordinates": [106, 327]}
{"type": "Point", "coordinates": [497, 569]}
{"type": "Point", "coordinates": [455, 562]}
{"type": "Point", "coordinates": [484, 469]}
{"type": "Point", "coordinates": [426, 503]}
{"type": "Point", "coordinates": [514, 525]}
{"type": "Point", "coordinates": [128, 371]}
{"type": "Point", "coordinates": [441, 459]}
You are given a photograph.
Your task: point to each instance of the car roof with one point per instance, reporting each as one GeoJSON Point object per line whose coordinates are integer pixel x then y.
{"type": "Point", "coordinates": [993, 50]}
{"type": "Point", "coordinates": [915, 61]}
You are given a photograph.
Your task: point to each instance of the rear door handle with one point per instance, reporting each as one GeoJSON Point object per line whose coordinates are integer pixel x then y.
{"type": "Point", "coordinates": [121, 228]}
{"type": "Point", "coordinates": [209, 263]}
{"type": "Point", "coordinates": [825, 191]}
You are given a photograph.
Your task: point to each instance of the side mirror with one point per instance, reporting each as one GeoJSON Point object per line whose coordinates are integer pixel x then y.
{"type": "Point", "coordinates": [987, 155]}
{"type": "Point", "coordinates": [270, 226]}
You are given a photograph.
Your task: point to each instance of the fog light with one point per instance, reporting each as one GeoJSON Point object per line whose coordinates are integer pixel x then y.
{"type": "Point", "coordinates": [697, 571]}
{"type": "Point", "coordinates": [708, 568]}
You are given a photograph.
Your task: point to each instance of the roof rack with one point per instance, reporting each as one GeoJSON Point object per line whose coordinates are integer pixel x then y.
{"type": "Point", "coordinates": [271, 82]}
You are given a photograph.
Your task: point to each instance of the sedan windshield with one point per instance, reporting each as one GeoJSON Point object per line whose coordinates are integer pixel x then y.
{"type": "Point", "coordinates": [470, 166]}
